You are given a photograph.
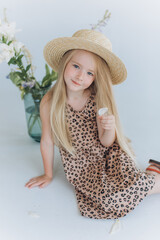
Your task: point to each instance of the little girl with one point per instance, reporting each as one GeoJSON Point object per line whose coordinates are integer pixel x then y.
{"type": "Point", "coordinates": [97, 158]}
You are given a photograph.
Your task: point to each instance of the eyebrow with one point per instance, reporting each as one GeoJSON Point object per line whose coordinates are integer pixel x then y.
{"type": "Point", "coordinates": [81, 65]}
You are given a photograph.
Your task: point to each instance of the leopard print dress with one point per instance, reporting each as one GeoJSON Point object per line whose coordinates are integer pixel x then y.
{"type": "Point", "coordinates": [107, 183]}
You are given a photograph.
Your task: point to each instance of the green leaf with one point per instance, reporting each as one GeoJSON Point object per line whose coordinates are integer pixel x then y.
{"type": "Point", "coordinates": [45, 78]}
{"type": "Point", "coordinates": [47, 69]}
{"type": "Point", "coordinates": [54, 78]}
{"type": "Point", "coordinates": [24, 73]}
{"type": "Point", "coordinates": [32, 78]}
{"type": "Point", "coordinates": [22, 94]}
{"type": "Point", "coordinates": [28, 67]}
{"type": "Point", "coordinates": [15, 78]}
{"type": "Point", "coordinates": [9, 42]}
{"type": "Point", "coordinates": [20, 57]}
{"type": "Point", "coordinates": [47, 83]}
{"type": "Point", "coordinates": [12, 61]}
{"type": "Point", "coordinates": [54, 75]}
{"type": "Point", "coordinates": [4, 40]}
{"type": "Point", "coordinates": [19, 60]}
{"type": "Point", "coordinates": [20, 75]}
{"type": "Point", "coordinates": [37, 86]}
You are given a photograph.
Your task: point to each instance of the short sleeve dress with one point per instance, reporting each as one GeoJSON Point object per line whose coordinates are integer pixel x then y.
{"type": "Point", "coordinates": [107, 183]}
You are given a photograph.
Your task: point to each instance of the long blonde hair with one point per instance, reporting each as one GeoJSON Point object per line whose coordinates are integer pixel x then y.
{"type": "Point", "coordinates": [102, 87]}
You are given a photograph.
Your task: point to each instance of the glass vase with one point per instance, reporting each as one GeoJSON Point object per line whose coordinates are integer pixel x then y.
{"type": "Point", "coordinates": [32, 113]}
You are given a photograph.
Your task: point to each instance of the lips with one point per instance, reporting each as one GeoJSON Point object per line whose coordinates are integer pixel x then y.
{"type": "Point", "coordinates": [76, 83]}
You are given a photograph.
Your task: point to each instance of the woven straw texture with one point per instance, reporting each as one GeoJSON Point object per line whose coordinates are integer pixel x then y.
{"type": "Point", "coordinates": [89, 40]}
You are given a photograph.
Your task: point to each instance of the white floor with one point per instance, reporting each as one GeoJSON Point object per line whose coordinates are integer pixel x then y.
{"type": "Point", "coordinates": [51, 213]}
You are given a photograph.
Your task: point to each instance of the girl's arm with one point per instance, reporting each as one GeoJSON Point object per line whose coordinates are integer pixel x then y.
{"type": "Point", "coordinates": [106, 129]}
{"type": "Point", "coordinates": [46, 147]}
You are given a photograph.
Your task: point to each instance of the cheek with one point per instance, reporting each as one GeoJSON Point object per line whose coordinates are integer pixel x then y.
{"type": "Point", "coordinates": [89, 82]}
{"type": "Point", "coordinates": [68, 72]}
{"type": "Point", "coordinates": [65, 73]}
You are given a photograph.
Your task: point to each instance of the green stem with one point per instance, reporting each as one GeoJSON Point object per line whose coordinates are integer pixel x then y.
{"type": "Point", "coordinates": [39, 122]}
{"type": "Point", "coordinates": [34, 120]}
{"type": "Point", "coordinates": [36, 117]}
{"type": "Point", "coordinates": [29, 120]}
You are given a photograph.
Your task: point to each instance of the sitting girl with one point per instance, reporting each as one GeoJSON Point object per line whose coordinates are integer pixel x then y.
{"type": "Point", "coordinates": [98, 159]}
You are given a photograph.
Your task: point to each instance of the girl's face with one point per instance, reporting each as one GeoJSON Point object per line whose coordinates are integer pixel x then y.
{"type": "Point", "coordinates": [80, 71]}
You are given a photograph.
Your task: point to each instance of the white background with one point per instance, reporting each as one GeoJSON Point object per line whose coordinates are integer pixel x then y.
{"type": "Point", "coordinates": [134, 30]}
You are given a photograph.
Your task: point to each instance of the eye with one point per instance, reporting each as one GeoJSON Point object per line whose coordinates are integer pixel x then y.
{"type": "Point", "coordinates": [75, 65]}
{"type": "Point", "coordinates": [90, 74]}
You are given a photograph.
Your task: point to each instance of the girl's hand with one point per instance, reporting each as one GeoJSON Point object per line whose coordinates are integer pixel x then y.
{"type": "Point", "coordinates": [40, 181]}
{"type": "Point", "coordinates": [107, 121]}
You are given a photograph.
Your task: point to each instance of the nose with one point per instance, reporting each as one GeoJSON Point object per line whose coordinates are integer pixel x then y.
{"type": "Point", "coordinates": [80, 75]}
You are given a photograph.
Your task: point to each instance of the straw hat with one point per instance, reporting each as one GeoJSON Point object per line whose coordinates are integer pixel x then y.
{"type": "Point", "coordinates": [89, 40]}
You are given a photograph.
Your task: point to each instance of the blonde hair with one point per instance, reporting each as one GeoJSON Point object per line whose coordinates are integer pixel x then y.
{"type": "Point", "coordinates": [102, 87]}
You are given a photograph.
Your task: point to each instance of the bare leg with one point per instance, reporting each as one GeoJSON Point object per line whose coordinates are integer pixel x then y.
{"type": "Point", "coordinates": [156, 188]}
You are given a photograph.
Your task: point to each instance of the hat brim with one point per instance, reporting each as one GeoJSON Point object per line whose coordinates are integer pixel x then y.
{"type": "Point", "coordinates": [55, 49]}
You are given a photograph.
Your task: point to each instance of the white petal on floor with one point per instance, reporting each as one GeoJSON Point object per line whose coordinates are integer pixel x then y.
{"type": "Point", "coordinates": [33, 214]}
{"type": "Point", "coordinates": [116, 227]}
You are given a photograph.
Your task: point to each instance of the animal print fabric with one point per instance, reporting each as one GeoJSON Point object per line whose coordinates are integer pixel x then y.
{"type": "Point", "coordinates": [107, 183]}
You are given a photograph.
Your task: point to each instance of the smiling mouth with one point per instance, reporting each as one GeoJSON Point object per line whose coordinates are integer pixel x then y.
{"type": "Point", "coordinates": [76, 83]}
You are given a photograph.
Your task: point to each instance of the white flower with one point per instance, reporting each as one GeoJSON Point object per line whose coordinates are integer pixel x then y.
{"type": "Point", "coordinates": [8, 30]}
{"type": "Point", "coordinates": [6, 52]}
{"type": "Point", "coordinates": [1, 58]}
{"type": "Point", "coordinates": [17, 46]}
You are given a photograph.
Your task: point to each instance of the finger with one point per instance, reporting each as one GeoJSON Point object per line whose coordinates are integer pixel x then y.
{"type": "Point", "coordinates": [43, 185]}
{"type": "Point", "coordinates": [110, 116]}
{"type": "Point", "coordinates": [30, 182]}
{"type": "Point", "coordinates": [108, 126]}
{"type": "Point", "coordinates": [107, 116]}
{"type": "Point", "coordinates": [103, 117]}
{"type": "Point", "coordinates": [27, 184]}
{"type": "Point", "coordinates": [108, 123]}
{"type": "Point", "coordinates": [35, 183]}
